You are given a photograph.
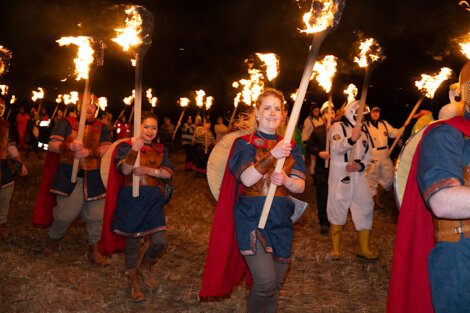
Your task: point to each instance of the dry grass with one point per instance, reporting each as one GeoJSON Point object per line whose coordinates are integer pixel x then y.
{"type": "Point", "coordinates": [315, 283]}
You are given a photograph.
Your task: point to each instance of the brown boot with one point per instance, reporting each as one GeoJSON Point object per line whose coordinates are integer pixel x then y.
{"type": "Point", "coordinates": [95, 256]}
{"type": "Point", "coordinates": [133, 278]}
{"type": "Point", "coordinates": [51, 249]}
{"type": "Point", "coordinates": [145, 268]}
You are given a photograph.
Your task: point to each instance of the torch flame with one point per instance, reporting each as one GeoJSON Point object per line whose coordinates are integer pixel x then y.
{"type": "Point", "coordinates": [293, 95]}
{"type": "Point", "coordinates": [3, 89]}
{"type": "Point", "coordinates": [130, 36]}
{"type": "Point", "coordinates": [59, 98]}
{"type": "Point", "coordinates": [351, 91]}
{"type": "Point", "coordinates": [184, 102]}
{"type": "Point", "coordinates": [71, 98]}
{"type": "Point", "coordinates": [369, 51]}
{"type": "Point", "coordinates": [321, 19]}
{"type": "Point", "coordinates": [200, 94]}
{"type": "Point", "coordinates": [237, 99]}
{"type": "Point", "coordinates": [464, 44]}
{"type": "Point", "coordinates": [324, 70]}
{"type": "Point", "coordinates": [103, 103]}
{"type": "Point", "coordinates": [130, 99]}
{"type": "Point", "coordinates": [209, 102]}
{"type": "Point", "coordinates": [38, 94]}
{"type": "Point", "coordinates": [271, 61]}
{"type": "Point", "coordinates": [84, 55]}
{"type": "Point", "coordinates": [152, 100]}
{"type": "Point", "coordinates": [13, 99]}
{"type": "Point", "coordinates": [429, 84]}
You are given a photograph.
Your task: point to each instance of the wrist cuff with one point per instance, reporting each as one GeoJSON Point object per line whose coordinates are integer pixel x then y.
{"type": "Point", "coordinates": [131, 157]}
{"type": "Point", "coordinates": [265, 163]}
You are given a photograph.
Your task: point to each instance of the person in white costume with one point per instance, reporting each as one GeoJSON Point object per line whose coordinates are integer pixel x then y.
{"type": "Point", "coordinates": [348, 189]}
{"type": "Point", "coordinates": [380, 169]}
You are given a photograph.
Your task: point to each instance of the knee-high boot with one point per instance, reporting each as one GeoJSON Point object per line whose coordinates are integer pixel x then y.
{"type": "Point", "coordinates": [364, 252]}
{"type": "Point", "coordinates": [335, 235]}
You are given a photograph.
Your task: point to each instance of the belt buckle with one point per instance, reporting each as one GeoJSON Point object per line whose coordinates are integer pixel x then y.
{"type": "Point", "coordinates": [458, 230]}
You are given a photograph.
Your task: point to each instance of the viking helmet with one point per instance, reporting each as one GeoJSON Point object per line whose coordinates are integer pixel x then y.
{"type": "Point", "coordinates": [464, 81]}
{"type": "Point", "coordinates": [351, 110]}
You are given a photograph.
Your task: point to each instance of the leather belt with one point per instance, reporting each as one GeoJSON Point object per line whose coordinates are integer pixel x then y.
{"type": "Point", "coordinates": [451, 230]}
{"type": "Point", "coordinates": [280, 192]}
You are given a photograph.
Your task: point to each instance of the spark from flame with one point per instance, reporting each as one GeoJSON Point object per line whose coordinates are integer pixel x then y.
{"type": "Point", "coordinates": [184, 102]}
{"type": "Point", "coordinates": [103, 103]}
{"type": "Point", "coordinates": [13, 99]}
{"type": "Point", "coordinates": [59, 98]}
{"type": "Point", "coordinates": [369, 51]}
{"type": "Point", "coordinates": [209, 102]}
{"type": "Point", "coordinates": [130, 99]}
{"type": "Point", "coordinates": [84, 55]}
{"type": "Point", "coordinates": [321, 19]}
{"type": "Point", "coordinates": [129, 37]}
{"type": "Point", "coordinates": [324, 70]}
{"type": "Point", "coordinates": [38, 94]}
{"type": "Point", "coordinates": [3, 89]}
{"type": "Point", "coordinates": [271, 61]}
{"type": "Point", "coordinates": [351, 92]}
{"type": "Point", "coordinates": [71, 98]}
{"type": "Point", "coordinates": [200, 94]}
{"type": "Point", "coordinates": [429, 84]}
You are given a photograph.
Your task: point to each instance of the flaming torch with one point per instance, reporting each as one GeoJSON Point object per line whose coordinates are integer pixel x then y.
{"type": "Point", "coordinates": [58, 100]}
{"type": "Point", "coordinates": [271, 61]}
{"type": "Point", "coordinates": [102, 104]}
{"type": "Point", "coordinates": [351, 92]}
{"type": "Point", "coordinates": [70, 98]}
{"type": "Point", "coordinates": [3, 89]}
{"type": "Point", "coordinates": [136, 37]}
{"type": "Point", "coordinates": [465, 46]}
{"type": "Point", "coordinates": [152, 100]}
{"type": "Point", "coordinates": [428, 86]}
{"type": "Point", "coordinates": [236, 102]}
{"type": "Point", "coordinates": [90, 51]}
{"type": "Point", "coordinates": [12, 101]}
{"type": "Point", "coordinates": [184, 102]}
{"type": "Point", "coordinates": [322, 18]}
{"type": "Point", "coordinates": [5, 58]}
{"type": "Point", "coordinates": [208, 105]}
{"type": "Point", "coordinates": [323, 71]}
{"type": "Point", "coordinates": [38, 95]}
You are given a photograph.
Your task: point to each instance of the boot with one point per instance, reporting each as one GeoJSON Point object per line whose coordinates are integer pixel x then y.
{"type": "Point", "coordinates": [132, 275]}
{"type": "Point", "coordinates": [364, 252]}
{"type": "Point", "coordinates": [335, 235]}
{"type": "Point", "coordinates": [51, 249]}
{"type": "Point", "coordinates": [145, 268]}
{"type": "Point", "coordinates": [95, 256]}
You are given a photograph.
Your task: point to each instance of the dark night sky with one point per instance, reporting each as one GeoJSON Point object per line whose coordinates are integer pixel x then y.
{"type": "Point", "coordinates": [202, 45]}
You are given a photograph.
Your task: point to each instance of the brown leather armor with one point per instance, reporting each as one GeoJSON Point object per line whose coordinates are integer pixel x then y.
{"type": "Point", "coordinates": [91, 141]}
{"type": "Point", "coordinates": [149, 158]}
{"type": "Point", "coordinates": [450, 230]}
{"type": "Point", "coordinates": [3, 139]}
{"type": "Point", "coordinates": [262, 186]}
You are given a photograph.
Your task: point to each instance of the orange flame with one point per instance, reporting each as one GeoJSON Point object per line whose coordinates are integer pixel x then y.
{"type": "Point", "coordinates": [319, 20]}
{"type": "Point", "coordinates": [13, 99]}
{"type": "Point", "coordinates": [465, 45]}
{"type": "Point", "coordinates": [59, 98]}
{"type": "Point", "coordinates": [130, 99]}
{"type": "Point", "coordinates": [3, 89]}
{"type": "Point", "coordinates": [184, 102]}
{"type": "Point", "coordinates": [209, 102]}
{"type": "Point", "coordinates": [293, 95]}
{"type": "Point", "coordinates": [129, 37]}
{"type": "Point", "coordinates": [324, 70]}
{"type": "Point", "coordinates": [71, 98]}
{"type": "Point", "coordinates": [271, 61]}
{"type": "Point", "coordinates": [152, 100]}
{"type": "Point", "coordinates": [369, 51]}
{"type": "Point", "coordinates": [84, 55]}
{"type": "Point", "coordinates": [103, 103]}
{"type": "Point", "coordinates": [200, 94]}
{"type": "Point", "coordinates": [38, 94]}
{"type": "Point", "coordinates": [351, 92]}
{"type": "Point", "coordinates": [429, 84]}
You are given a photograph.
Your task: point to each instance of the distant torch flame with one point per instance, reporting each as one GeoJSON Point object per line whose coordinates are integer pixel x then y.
{"type": "Point", "coordinates": [71, 98]}
{"type": "Point", "coordinates": [84, 56]}
{"type": "Point", "coordinates": [103, 103]}
{"type": "Point", "coordinates": [429, 84]}
{"type": "Point", "coordinates": [271, 60]}
{"type": "Point", "coordinates": [251, 88]}
{"type": "Point", "coordinates": [209, 102]}
{"type": "Point", "coordinates": [184, 102]}
{"type": "Point", "coordinates": [3, 89]}
{"type": "Point", "coordinates": [38, 94]}
{"type": "Point", "coordinates": [321, 19]}
{"type": "Point", "coordinates": [351, 92]}
{"type": "Point", "coordinates": [200, 94]}
{"type": "Point", "coordinates": [369, 51]}
{"type": "Point", "coordinates": [465, 45]}
{"type": "Point", "coordinates": [152, 100]}
{"type": "Point", "coordinates": [237, 99]}
{"type": "Point", "coordinates": [130, 99]}
{"type": "Point", "coordinates": [324, 70]}
{"type": "Point", "coordinates": [129, 37]}
{"type": "Point", "coordinates": [293, 95]}
{"type": "Point", "coordinates": [59, 98]}
{"type": "Point", "coordinates": [13, 99]}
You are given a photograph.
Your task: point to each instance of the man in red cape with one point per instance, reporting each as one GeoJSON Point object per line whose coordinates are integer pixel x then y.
{"type": "Point", "coordinates": [410, 288]}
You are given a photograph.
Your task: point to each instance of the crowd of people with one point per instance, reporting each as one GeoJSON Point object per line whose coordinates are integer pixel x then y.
{"type": "Point", "coordinates": [350, 165]}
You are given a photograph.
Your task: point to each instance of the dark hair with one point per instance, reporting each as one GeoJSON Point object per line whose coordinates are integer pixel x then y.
{"type": "Point", "coordinates": [146, 115]}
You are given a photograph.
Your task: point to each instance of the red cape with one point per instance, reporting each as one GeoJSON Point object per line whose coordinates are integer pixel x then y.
{"type": "Point", "coordinates": [409, 289]}
{"type": "Point", "coordinates": [225, 266]}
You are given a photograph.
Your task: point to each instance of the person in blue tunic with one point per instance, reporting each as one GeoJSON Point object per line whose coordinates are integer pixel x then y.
{"type": "Point", "coordinates": [136, 217]}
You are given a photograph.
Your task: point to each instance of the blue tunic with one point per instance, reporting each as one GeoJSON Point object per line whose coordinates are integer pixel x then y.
{"type": "Point", "coordinates": [277, 236]}
{"type": "Point", "coordinates": [135, 217]}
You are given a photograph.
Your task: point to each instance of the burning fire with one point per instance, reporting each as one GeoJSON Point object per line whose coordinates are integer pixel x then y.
{"type": "Point", "coordinates": [184, 102]}
{"type": "Point", "coordinates": [236, 100]}
{"type": "Point", "coordinates": [351, 91]}
{"type": "Point", "coordinates": [293, 95]}
{"type": "Point", "coordinates": [59, 98]}
{"type": "Point", "coordinates": [103, 103]}
{"type": "Point", "coordinates": [200, 94]}
{"type": "Point", "coordinates": [152, 100]}
{"type": "Point", "coordinates": [13, 99]}
{"type": "Point", "coordinates": [3, 89]}
{"type": "Point", "coordinates": [71, 98]}
{"type": "Point", "coordinates": [369, 51]}
{"type": "Point", "coordinates": [324, 70]}
{"type": "Point", "coordinates": [271, 61]}
{"type": "Point", "coordinates": [429, 84]}
{"type": "Point", "coordinates": [209, 102]}
{"type": "Point", "coordinates": [130, 99]}
{"type": "Point", "coordinates": [465, 45]}
{"type": "Point", "coordinates": [320, 18]}
{"type": "Point", "coordinates": [38, 94]}
{"type": "Point", "coordinates": [130, 36]}
{"type": "Point", "coordinates": [5, 56]}
{"type": "Point", "coordinates": [84, 55]}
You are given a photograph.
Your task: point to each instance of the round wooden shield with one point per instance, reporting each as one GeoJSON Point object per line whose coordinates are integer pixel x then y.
{"type": "Point", "coordinates": [403, 165]}
{"type": "Point", "coordinates": [106, 161]}
{"type": "Point", "coordinates": [218, 160]}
